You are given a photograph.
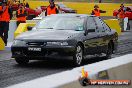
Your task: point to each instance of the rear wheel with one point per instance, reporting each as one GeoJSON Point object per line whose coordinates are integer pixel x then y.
{"type": "Point", "coordinates": [78, 56]}
{"type": "Point", "coordinates": [128, 26]}
{"type": "Point", "coordinates": [109, 51]}
{"type": "Point", "coordinates": [22, 61]}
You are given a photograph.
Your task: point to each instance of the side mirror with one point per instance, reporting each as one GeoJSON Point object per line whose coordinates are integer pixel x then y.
{"type": "Point", "coordinates": [91, 30]}
{"type": "Point", "coordinates": [29, 28]}
{"type": "Point", "coordinates": [88, 30]}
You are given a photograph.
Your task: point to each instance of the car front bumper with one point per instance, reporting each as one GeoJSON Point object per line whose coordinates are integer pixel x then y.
{"type": "Point", "coordinates": [19, 52]}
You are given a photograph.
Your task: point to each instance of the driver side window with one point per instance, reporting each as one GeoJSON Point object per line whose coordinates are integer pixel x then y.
{"type": "Point", "coordinates": [91, 24]}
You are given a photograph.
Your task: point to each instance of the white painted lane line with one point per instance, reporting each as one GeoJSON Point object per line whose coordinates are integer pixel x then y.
{"type": "Point", "coordinates": [7, 59]}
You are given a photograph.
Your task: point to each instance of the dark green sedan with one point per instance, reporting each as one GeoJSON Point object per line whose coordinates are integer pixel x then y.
{"type": "Point", "coordinates": [75, 35]}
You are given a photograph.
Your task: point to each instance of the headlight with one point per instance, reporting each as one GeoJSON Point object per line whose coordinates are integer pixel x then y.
{"type": "Point", "coordinates": [57, 43]}
{"type": "Point", "coordinates": [19, 43]}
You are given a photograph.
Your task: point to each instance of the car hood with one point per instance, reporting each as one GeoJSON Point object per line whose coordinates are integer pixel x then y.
{"type": "Point", "coordinates": [48, 35]}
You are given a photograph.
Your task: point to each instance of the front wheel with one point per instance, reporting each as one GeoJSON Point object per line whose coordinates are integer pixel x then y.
{"type": "Point", "coordinates": [78, 56]}
{"type": "Point", "coordinates": [22, 61]}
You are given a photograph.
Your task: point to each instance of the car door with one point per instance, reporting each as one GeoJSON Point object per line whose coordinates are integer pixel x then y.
{"type": "Point", "coordinates": [103, 38]}
{"type": "Point", "coordinates": [91, 39]}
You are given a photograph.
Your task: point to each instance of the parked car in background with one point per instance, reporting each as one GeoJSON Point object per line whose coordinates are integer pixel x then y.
{"type": "Point", "coordinates": [128, 12]}
{"type": "Point", "coordinates": [43, 8]}
{"type": "Point", "coordinates": [64, 9]}
{"type": "Point", "coordinates": [32, 13]}
{"type": "Point", "coordinates": [65, 35]}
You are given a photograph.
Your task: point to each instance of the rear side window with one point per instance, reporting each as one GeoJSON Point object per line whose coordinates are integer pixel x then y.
{"type": "Point", "coordinates": [107, 29]}
{"type": "Point", "coordinates": [105, 26]}
{"type": "Point", "coordinates": [101, 26]}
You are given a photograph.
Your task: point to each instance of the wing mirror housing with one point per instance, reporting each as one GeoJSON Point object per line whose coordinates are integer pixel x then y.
{"type": "Point", "coordinates": [29, 28]}
{"type": "Point", "coordinates": [91, 30]}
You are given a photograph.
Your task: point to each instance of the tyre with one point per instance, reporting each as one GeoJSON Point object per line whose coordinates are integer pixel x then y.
{"type": "Point", "coordinates": [22, 61]}
{"type": "Point", "coordinates": [109, 51]}
{"type": "Point", "coordinates": [78, 56]}
{"type": "Point", "coordinates": [128, 26]}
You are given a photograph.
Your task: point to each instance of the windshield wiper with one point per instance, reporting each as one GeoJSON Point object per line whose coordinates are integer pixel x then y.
{"type": "Point", "coordinates": [48, 28]}
{"type": "Point", "coordinates": [60, 29]}
{"type": "Point", "coordinates": [45, 28]}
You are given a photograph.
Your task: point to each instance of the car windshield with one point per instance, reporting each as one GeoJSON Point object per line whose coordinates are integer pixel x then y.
{"type": "Point", "coordinates": [61, 23]}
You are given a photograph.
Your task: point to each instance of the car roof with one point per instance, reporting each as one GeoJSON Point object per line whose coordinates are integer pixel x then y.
{"type": "Point", "coordinates": [72, 15]}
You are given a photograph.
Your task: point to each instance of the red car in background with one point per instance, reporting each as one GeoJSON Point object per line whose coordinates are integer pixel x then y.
{"type": "Point", "coordinates": [32, 13]}
{"type": "Point", "coordinates": [64, 9]}
{"type": "Point", "coordinates": [128, 12]}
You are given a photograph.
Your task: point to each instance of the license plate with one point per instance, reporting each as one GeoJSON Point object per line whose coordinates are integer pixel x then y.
{"type": "Point", "coordinates": [34, 49]}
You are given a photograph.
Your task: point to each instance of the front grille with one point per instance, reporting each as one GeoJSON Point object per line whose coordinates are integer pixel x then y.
{"type": "Point", "coordinates": [36, 43]}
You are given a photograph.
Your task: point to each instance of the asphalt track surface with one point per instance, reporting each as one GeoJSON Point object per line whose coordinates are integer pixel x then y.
{"type": "Point", "coordinates": [11, 73]}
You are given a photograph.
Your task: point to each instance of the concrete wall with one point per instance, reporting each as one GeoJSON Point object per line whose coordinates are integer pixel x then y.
{"type": "Point", "coordinates": [12, 28]}
{"type": "Point", "coordinates": [123, 72]}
